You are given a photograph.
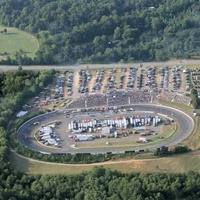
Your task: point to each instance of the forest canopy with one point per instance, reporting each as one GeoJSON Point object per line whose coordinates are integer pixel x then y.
{"type": "Point", "coordinates": [103, 31]}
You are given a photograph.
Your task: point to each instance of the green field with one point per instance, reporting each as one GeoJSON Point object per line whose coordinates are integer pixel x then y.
{"type": "Point", "coordinates": [15, 40]}
{"type": "Point", "coordinates": [173, 164]}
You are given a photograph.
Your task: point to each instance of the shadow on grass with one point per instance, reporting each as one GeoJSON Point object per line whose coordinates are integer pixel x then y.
{"type": "Point", "coordinates": [27, 52]}
{"type": "Point", "coordinates": [10, 33]}
{"type": "Point", "coordinates": [5, 54]}
{"type": "Point", "coordinates": [19, 164]}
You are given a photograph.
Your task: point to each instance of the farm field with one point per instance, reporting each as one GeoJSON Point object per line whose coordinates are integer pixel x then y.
{"type": "Point", "coordinates": [15, 40]}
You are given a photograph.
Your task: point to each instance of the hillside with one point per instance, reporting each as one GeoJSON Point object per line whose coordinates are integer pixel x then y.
{"type": "Point", "coordinates": [102, 31]}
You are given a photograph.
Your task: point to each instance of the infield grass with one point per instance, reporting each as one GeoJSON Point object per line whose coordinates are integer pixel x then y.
{"type": "Point", "coordinates": [15, 40]}
{"type": "Point", "coordinates": [179, 106]}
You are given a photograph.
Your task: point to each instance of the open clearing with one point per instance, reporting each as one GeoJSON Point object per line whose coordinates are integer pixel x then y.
{"type": "Point", "coordinates": [15, 40]}
{"type": "Point", "coordinates": [174, 164]}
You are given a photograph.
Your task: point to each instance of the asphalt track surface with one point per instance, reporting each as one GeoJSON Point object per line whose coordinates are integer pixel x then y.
{"type": "Point", "coordinates": [97, 66]}
{"type": "Point", "coordinates": [186, 126]}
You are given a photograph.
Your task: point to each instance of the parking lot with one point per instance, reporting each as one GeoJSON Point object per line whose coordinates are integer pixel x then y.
{"type": "Point", "coordinates": [117, 86]}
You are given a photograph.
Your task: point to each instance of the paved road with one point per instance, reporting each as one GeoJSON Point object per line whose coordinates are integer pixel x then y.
{"type": "Point", "coordinates": [186, 127]}
{"type": "Point", "coordinates": [93, 66]}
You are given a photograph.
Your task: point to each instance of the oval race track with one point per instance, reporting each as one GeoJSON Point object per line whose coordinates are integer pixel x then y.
{"type": "Point", "coordinates": [186, 125]}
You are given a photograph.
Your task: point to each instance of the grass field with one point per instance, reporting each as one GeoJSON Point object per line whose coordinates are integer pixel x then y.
{"type": "Point", "coordinates": [193, 141]}
{"type": "Point", "coordinates": [15, 40]}
{"type": "Point", "coordinates": [182, 107]}
{"type": "Point", "coordinates": [174, 164]}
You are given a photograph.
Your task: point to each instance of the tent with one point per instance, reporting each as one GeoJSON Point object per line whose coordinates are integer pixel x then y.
{"type": "Point", "coordinates": [21, 113]}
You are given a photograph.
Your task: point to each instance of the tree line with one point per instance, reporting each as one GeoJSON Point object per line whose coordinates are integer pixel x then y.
{"type": "Point", "coordinates": [16, 87]}
{"type": "Point", "coordinates": [104, 31]}
{"type": "Point", "coordinates": [99, 184]}
{"type": "Point", "coordinates": [194, 98]}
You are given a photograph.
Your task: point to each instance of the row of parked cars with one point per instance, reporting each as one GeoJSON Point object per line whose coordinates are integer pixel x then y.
{"type": "Point", "coordinates": [188, 81]}
{"type": "Point", "coordinates": [70, 83]}
{"type": "Point", "coordinates": [131, 78]}
{"type": "Point", "coordinates": [111, 82]}
{"type": "Point", "coordinates": [151, 77]}
{"type": "Point", "coordinates": [196, 77]}
{"type": "Point", "coordinates": [59, 88]}
{"type": "Point", "coordinates": [176, 77]}
{"type": "Point", "coordinates": [98, 80]}
{"type": "Point", "coordinates": [164, 77]}
{"type": "Point", "coordinates": [84, 78]}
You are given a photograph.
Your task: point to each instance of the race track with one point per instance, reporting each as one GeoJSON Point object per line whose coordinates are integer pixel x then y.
{"type": "Point", "coordinates": [186, 125]}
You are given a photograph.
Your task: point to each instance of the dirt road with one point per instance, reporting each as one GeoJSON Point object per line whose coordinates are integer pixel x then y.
{"type": "Point", "coordinates": [111, 162]}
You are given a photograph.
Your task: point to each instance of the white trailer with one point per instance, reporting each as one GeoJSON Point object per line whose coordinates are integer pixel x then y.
{"type": "Point", "coordinates": [143, 139]}
{"type": "Point", "coordinates": [142, 122]}
{"type": "Point", "coordinates": [94, 122]}
{"type": "Point", "coordinates": [45, 137]}
{"type": "Point", "coordinates": [116, 122]}
{"type": "Point", "coordinates": [120, 123]}
{"type": "Point", "coordinates": [135, 122]}
{"type": "Point", "coordinates": [90, 130]}
{"type": "Point", "coordinates": [90, 123]}
{"type": "Point", "coordinates": [77, 131]}
{"type": "Point", "coordinates": [154, 121]}
{"type": "Point", "coordinates": [46, 134]}
{"type": "Point", "coordinates": [52, 141]}
{"type": "Point", "coordinates": [75, 125]}
{"type": "Point", "coordinates": [69, 127]}
{"type": "Point", "coordinates": [84, 137]}
{"type": "Point", "coordinates": [52, 125]}
{"type": "Point", "coordinates": [131, 120]}
{"type": "Point", "coordinates": [72, 124]}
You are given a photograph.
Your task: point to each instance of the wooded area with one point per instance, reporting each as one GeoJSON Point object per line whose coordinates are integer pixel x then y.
{"type": "Point", "coordinates": [99, 184]}
{"type": "Point", "coordinates": [93, 31]}
{"type": "Point", "coordinates": [105, 31]}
